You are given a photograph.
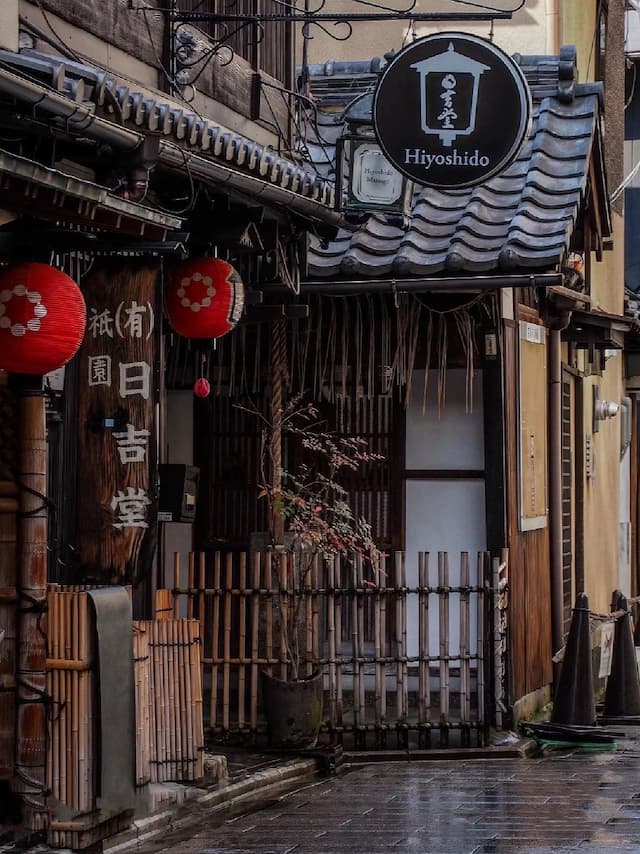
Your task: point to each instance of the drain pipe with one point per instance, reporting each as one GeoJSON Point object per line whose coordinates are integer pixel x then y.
{"type": "Point", "coordinates": [555, 477]}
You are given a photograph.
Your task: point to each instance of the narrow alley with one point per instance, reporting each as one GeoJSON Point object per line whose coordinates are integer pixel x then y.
{"type": "Point", "coordinates": [566, 801]}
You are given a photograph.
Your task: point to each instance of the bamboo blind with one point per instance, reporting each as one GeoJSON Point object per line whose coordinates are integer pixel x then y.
{"type": "Point", "coordinates": [354, 624]}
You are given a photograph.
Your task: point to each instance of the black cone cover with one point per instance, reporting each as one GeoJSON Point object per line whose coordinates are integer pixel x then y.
{"type": "Point", "coordinates": [574, 701]}
{"type": "Point", "coordinates": [622, 697]}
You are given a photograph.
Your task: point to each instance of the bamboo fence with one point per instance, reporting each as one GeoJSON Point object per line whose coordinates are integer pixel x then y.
{"type": "Point", "coordinates": [168, 687]}
{"type": "Point", "coordinates": [409, 658]}
{"type": "Point", "coordinates": [168, 702]}
{"type": "Point", "coordinates": [71, 684]}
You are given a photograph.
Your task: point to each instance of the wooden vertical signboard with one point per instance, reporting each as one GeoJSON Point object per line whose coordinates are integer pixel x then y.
{"type": "Point", "coordinates": [532, 469]}
{"type": "Point", "coordinates": [117, 495]}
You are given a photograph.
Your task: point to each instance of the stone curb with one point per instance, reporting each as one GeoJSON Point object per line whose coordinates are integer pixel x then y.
{"type": "Point", "coordinates": [262, 785]}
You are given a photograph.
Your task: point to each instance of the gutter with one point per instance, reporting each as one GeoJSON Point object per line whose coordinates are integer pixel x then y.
{"type": "Point", "coordinates": [437, 283]}
{"type": "Point", "coordinates": [212, 172]}
{"type": "Point", "coordinates": [81, 119]}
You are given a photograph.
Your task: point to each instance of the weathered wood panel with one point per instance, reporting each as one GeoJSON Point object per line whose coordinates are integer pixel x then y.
{"type": "Point", "coordinates": [117, 492]}
{"type": "Point", "coordinates": [227, 78]}
{"type": "Point", "coordinates": [8, 576]}
{"type": "Point", "coordinates": [530, 581]}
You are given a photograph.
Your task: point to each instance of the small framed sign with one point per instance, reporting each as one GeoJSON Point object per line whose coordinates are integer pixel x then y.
{"type": "Point", "coordinates": [372, 182]}
{"type": "Point", "coordinates": [451, 110]}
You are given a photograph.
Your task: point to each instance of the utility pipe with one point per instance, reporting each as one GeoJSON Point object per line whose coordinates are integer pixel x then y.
{"type": "Point", "coordinates": [79, 117]}
{"type": "Point", "coordinates": [553, 27]}
{"type": "Point", "coordinates": [436, 283]}
{"type": "Point", "coordinates": [217, 174]}
{"type": "Point", "coordinates": [555, 480]}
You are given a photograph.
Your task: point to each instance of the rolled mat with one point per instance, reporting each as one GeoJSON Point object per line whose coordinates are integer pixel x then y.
{"type": "Point", "coordinates": [112, 607]}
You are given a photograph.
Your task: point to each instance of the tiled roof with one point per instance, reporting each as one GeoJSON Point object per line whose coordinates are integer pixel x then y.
{"type": "Point", "coordinates": [520, 220]}
{"type": "Point", "coordinates": [84, 83]}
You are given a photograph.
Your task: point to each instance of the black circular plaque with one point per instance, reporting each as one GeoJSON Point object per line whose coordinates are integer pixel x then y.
{"type": "Point", "coordinates": [451, 110]}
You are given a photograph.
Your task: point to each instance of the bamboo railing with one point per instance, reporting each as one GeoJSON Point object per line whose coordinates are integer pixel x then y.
{"type": "Point", "coordinates": [411, 658]}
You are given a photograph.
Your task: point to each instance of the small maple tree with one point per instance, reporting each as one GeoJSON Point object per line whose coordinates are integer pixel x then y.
{"type": "Point", "coordinates": [313, 506]}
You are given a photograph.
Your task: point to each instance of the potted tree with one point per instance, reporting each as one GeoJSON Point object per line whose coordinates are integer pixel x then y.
{"type": "Point", "coordinates": [311, 520]}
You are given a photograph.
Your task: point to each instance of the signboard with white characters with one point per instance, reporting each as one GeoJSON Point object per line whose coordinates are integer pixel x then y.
{"type": "Point", "coordinates": [451, 110]}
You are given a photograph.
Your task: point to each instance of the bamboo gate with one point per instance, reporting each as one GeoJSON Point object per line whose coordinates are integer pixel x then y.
{"type": "Point", "coordinates": [406, 664]}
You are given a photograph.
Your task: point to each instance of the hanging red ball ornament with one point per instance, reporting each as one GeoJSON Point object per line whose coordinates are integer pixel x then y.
{"type": "Point", "coordinates": [204, 298]}
{"type": "Point", "coordinates": [42, 319]}
{"type": "Point", "coordinates": [201, 388]}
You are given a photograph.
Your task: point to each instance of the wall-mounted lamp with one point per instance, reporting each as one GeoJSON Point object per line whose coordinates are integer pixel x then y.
{"type": "Point", "coordinates": [602, 409]}
{"type": "Point", "coordinates": [365, 179]}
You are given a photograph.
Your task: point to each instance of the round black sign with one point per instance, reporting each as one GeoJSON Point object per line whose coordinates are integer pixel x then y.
{"type": "Point", "coordinates": [451, 110]}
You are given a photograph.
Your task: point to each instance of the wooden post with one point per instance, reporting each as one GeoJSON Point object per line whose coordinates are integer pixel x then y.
{"type": "Point", "coordinates": [8, 575]}
{"type": "Point", "coordinates": [31, 677]}
{"type": "Point", "coordinates": [8, 557]}
{"type": "Point", "coordinates": [278, 375]}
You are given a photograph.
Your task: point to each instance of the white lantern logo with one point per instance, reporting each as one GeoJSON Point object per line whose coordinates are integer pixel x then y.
{"type": "Point", "coordinates": [449, 84]}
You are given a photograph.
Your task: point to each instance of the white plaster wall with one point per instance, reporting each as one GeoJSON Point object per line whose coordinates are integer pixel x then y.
{"type": "Point", "coordinates": [453, 438]}
{"type": "Point", "coordinates": [9, 24]}
{"type": "Point", "coordinates": [444, 515]}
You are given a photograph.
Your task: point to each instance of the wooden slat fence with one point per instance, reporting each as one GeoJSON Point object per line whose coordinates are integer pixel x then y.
{"type": "Point", "coordinates": [409, 658]}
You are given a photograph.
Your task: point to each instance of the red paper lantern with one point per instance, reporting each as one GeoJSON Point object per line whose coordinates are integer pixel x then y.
{"type": "Point", "coordinates": [42, 319]}
{"type": "Point", "coordinates": [205, 298]}
{"type": "Point", "coordinates": [201, 388]}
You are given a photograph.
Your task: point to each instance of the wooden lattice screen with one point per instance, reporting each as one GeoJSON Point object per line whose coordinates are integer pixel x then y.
{"type": "Point", "coordinates": [376, 680]}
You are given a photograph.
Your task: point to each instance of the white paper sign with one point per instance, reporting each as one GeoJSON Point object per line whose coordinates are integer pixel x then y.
{"type": "Point", "coordinates": [606, 649]}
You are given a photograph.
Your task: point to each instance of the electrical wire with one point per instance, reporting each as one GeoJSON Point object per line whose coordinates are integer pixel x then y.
{"type": "Point", "coordinates": [62, 42]}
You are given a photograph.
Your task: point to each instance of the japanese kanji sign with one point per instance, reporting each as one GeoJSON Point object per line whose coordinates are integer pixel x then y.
{"type": "Point", "coordinates": [117, 445]}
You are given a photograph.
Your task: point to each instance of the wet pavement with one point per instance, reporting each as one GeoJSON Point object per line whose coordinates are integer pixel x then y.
{"type": "Point", "coordinates": [566, 801]}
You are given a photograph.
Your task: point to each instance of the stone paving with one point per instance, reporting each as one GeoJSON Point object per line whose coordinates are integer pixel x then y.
{"type": "Point", "coordinates": [564, 802]}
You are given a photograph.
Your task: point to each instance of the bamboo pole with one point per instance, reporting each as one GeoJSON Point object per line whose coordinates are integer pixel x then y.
{"type": "Point", "coordinates": [339, 679]}
{"type": "Point", "coordinates": [465, 666]}
{"type": "Point", "coordinates": [176, 585]}
{"type": "Point", "coordinates": [361, 625]}
{"type": "Point", "coordinates": [242, 642]}
{"type": "Point", "coordinates": [379, 671]}
{"type": "Point", "coordinates": [8, 577]}
{"type": "Point", "coordinates": [423, 638]}
{"type": "Point", "coordinates": [191, 583]}
{"type": "Point", "coordinates": [226, 671]}
{"type": "Point", "coordinates": [355, 648]}
{"type": "Point", "coordinates": [443, 583]}
{"type": "Point", "coordinates": [215, 635]}
{"type": "Point", "coordinates": [331, 638]}
{"type": "Point", "coordinates": [255, 641]}
{"type": "Point", "coordinates": [202, 577]}
{"type": "Point", "coordinates": [174, 697]}
{"type": "Point", "coordinates": [383, 638]}
{"type": "Point", "coordinates": [399, 627]}
{"type": "Point", "coordinates": [161, 728]}
{"type": "Point", "coordinates": [31, 678]}
{"type": "Point", "coordinates": [189, 759]}
{"type": "Point", "coordinates": [403, 651]}
{"type": "Point", "coordinates": [283, 572]}
{"type": "Point", "coordinates": [308, 615]}
{"type": "Point", "coordinates": [480, 680]}
{"type": "Point", "coordinates": [196, 691]}
{"type": "Point", "coordinates": [497, 644]}
{"type": "Point", "coordinates": [75, 720]}
{"type": "Point", "coordinates": [315, 609]}
{"type": "Point", "coordinates": [268, 581]}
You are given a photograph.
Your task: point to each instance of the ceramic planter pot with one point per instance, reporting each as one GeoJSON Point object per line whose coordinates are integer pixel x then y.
{"type": "Point", "coordinates": [293, 710]}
